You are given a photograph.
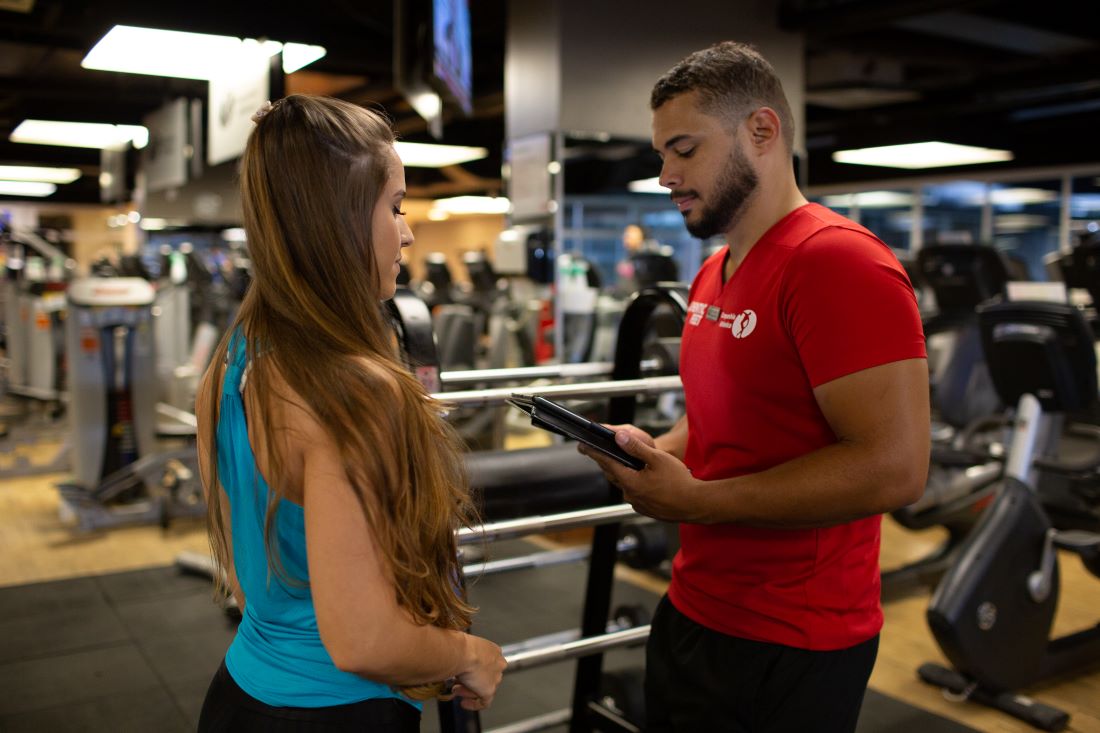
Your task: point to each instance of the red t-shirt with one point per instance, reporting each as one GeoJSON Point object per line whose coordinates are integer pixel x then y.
{"type": "Point", "coordinates": [816, 298]}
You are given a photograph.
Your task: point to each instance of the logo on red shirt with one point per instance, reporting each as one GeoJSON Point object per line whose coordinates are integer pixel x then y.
{"type": "Point", "coordinates": [744, 324]}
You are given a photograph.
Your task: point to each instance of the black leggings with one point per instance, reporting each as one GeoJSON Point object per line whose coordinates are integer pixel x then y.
{"type": "Point", "coordinates": [229, 708]}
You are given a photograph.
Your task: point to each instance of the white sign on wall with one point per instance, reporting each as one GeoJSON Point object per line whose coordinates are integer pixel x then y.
{"type": "Point", "coordinates": [233, 99]}
{"type": "Point", "coordinates": [164, 159]}
{"type": "Point", "coordinates": [529, 183]}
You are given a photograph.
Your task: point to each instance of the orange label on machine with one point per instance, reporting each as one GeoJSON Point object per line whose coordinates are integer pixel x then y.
{"type": "Point", "coordinates": [89, 341]}
{"type": "Point", "coordinates": [42, 321]}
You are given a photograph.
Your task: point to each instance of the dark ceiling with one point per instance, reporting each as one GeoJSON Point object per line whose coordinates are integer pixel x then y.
{"type": "Point", "coordinates": [1002, 73]}
{"type": "Point", "coordinates": [41, 76]}
{"type": "Point", "coordinates": [1015, 74]}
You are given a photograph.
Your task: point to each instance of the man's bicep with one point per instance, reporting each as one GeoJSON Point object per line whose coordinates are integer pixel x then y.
{"type": "Point", "coordinates": [885, 405]}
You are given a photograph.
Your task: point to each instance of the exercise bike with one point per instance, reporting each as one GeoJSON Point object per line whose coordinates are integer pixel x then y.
{"type": "Point", "coordinates": [967, 415]}
{"type": "Point", "coordinates": [993, 611]}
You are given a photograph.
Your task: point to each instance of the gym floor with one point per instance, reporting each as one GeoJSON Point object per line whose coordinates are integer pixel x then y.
{"type": "Point", "coordinates": [38, 546]}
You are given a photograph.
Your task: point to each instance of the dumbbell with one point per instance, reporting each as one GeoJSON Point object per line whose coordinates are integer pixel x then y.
{"type": "Point", "coordinates": [643, 545]}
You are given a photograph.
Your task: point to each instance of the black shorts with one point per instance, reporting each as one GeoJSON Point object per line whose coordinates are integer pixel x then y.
{"type": "Point", "coordinates": [698, 680]}
{"type": "Point", "coordinates": [229, 708]}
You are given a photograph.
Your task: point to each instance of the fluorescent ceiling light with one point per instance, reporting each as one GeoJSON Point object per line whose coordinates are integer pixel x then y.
{"type": "Point", "coordinates": [1021, 196]}
{"type": "Point", "coordinates": [1010, 223]}
{"type": "Point", "coordinates": [147, 223]}
{"type": "Point", "coordinates": [473, 205]}
{"type": "Point", "coordinates": [80, 134]}
{"type": "Point", "coordinates": [1083, 204]}
{"type": "Point", "coordinates": [922, 155]}
{"type": "Point", "coordinates": [647, 185]}
{"type": "Point", "coordinates": [868, 200]}
{"type": "Point", "coordinates": [187, 55]}
{"type": "Point", "coordinates": [300, 55]}
{"type": "Point", "coordinates": [429, 155]}
{"type": "Point", "coordinates": [37, 173]}
{"type": "Point", "coordinates": [427, 104]}
{"type": "Point", "coordinates": [26, 188]}
{"type": "Point", "coordinates": [161, 53]}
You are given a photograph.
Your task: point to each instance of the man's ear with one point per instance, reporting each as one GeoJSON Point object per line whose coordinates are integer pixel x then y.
{"type": "Point", "coordinates": [765, 129]}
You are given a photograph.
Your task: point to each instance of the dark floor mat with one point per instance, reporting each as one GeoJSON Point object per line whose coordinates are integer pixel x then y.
{"type": "Point", "coordinates": [882, 714]}
{"type": "Point", "coordinates": [135, 651]}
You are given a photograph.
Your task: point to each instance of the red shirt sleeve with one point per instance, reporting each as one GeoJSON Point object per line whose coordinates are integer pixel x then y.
{"type": "Point", "coordinates": [849, 305]}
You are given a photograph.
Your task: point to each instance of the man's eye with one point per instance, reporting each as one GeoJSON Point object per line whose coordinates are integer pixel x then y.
{"type": "Point", "coordinates": [686, 153]}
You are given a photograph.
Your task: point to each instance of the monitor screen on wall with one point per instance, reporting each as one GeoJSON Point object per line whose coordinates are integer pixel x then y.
{"type": "Point", "coordinates": [451, 51]}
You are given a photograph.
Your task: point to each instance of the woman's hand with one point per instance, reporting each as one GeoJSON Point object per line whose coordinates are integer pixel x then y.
{"type": "Point", "coordinates": [477, 684]}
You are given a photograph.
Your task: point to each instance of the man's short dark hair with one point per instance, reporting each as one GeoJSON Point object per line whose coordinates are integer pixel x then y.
{"type": "Point", "coordinates": [732, 79]}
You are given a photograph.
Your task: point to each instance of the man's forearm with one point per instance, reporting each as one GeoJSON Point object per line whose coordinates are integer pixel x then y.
{"type": "Point", "coordinates": [833, 485]}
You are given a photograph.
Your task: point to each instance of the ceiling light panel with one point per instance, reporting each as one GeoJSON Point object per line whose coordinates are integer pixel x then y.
{"type": "Point", "coordinates": [869, 200]}
{"type": "Point", "coordinates": [183, 55]}
{"type": "Point", "coordinates": [80, 134]}
{"type": "Point", "coordinates": [473, 205]}
{"type": "Point", "coordinates": [922, 155]}
{"type": "Point", "coordinates": [429, 155]}
{"type": "Point", "coordinates": [299, 55]}
{"type": "Point", "coordinates": [26, 188]}
{"type": "Point", "coordinates": [1021, 196]}
{"type": "Point", "coordinates": [38, 173]}
{"type": "Point", "coordinates": [161, 53]}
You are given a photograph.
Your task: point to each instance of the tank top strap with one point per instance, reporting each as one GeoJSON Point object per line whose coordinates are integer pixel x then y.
{"type": "Point", "coordinates": [236, 365]}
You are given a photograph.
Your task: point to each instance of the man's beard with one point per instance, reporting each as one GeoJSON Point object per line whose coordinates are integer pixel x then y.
{"type": "Point", "coordinates": [735, 185]}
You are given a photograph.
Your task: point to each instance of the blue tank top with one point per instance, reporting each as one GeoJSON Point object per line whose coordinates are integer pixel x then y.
{"type": "Point", "coordinates": [277, 656]}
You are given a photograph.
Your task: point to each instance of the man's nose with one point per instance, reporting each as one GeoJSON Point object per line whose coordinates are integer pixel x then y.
{"type": "Point", "coordinates": [670, 177]}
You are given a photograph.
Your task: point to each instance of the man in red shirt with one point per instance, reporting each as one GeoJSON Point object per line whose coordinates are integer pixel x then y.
{"type": "Point", "coordinates": [806, 386]}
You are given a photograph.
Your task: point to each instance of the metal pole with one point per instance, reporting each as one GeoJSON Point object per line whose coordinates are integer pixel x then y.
{"type": "Point", "coordinates": [202, 563]}
{"type": "Point", "coordinates": [529, 374]}
{"type": "Point", "coordinates": [545, 559]}
{"type": "Point", "coordinates": [537, 723]}
{"type": "Point", "coordinates": [1028, 423]}
{"type": "Point", "coordinates": [512, 528]}
{"type": "Point", "coordinates": [548, 371]}
{"type": "Point", "coordinates": [181, 416]}
{"type": "Point", "coordinates": [526, 562]}
{"type": "Point", "coordinates": [557, 638]}
{"type": "Point", "coordinates": [615, 388]}
{"type": "Point", "coordinates": [578, 648]}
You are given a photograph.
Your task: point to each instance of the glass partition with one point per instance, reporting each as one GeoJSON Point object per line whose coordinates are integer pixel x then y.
{"type": "Point", "coordinates": [952, 212]}
{"type": "Point", "coordinates": [1084, 207]}
{"type": "Point", "coordinates": [887, 213]}
{"type": "Point", "coordinates": [595, 227]}
{"type": "Point", "coordinates": [1025, 224]}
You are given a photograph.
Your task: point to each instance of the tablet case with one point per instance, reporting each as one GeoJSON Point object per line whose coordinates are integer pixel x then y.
{"type": "Point", "coordinates": [551, 416]}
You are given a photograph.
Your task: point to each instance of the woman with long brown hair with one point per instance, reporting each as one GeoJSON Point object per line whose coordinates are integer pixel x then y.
{"type": "Point", "coordinates": [333, 484]}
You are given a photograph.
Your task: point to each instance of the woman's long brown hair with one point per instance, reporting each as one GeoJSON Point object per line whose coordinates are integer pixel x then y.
{"type": "Point", "coordinates": [311, 175]}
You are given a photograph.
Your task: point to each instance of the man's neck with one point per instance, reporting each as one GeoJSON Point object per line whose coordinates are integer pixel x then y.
{"type": "Point", "coordinates": [767, 206]}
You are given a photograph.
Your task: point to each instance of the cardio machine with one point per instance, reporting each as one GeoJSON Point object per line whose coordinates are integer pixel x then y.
{"type": "Point", "coordinates": [967, 412]}
{"type": "Point", "coordinates": [993, 611]}
{"type": "Point", "coordinates": [119, 478]}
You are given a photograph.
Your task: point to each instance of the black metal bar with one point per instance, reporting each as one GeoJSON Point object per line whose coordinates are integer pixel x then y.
{"type": "Point", "coordinates": [601, 566]}
{"type": "Point", "coordinates": [453, 718]}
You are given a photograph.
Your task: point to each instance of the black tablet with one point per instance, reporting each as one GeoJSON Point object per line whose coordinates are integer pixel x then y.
{"type": "Point", "coordinates": [551, 416]}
